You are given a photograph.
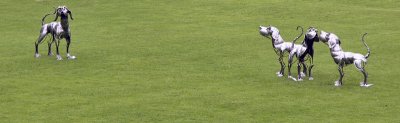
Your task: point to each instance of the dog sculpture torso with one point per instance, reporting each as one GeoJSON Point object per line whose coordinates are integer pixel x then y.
{"type": "Point", "coordinates": [55, 28]}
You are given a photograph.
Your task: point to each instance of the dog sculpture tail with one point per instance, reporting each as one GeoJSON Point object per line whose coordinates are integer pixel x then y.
{"type": "Point", "coordinates": [365, 44]}
{"type": "Point", "coordinates": [44, 18]}
{"type": "Point", "coordinates": [295, 39]}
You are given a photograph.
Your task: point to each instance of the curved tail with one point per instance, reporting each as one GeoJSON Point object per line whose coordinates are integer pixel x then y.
{"type": "Point", "coordinates": [365, 44]}
{"type": "Point", "coordinates": [44, 18]}
{"type": "Point", "coordinates": [295, 39]}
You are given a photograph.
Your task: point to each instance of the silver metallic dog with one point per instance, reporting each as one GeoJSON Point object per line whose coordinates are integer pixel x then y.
{"type": "Point", "coordinates": [58, 31]}
{"type": "Point", "coordinates": [301, 51]}
{"type": "Point", "coordinates": [342, 58]}
{"type": "Point", "coordinates": [279, 45]}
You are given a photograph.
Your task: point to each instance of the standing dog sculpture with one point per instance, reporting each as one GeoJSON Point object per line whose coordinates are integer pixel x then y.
{"type": "Point", "coordinates": [342, 58]}
{"type": "Point", "coordinates": [279, 45]}
{"type": "Point", "coordinates": [58, 31]}
{"type": "Point", "coordinates": [301, 51]}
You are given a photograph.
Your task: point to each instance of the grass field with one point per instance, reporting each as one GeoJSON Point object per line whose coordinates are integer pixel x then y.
{"type": "Point", "coordinates": [195, 61]}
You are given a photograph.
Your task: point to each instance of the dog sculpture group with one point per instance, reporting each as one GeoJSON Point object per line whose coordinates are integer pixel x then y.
{"type": "Point", "coordinates": [60, 30]}
{"type": "Point", "coordinates": [340, 57]}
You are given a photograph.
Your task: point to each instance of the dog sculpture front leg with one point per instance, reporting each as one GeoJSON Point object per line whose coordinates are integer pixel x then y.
{"type": "Point", "coordinates": [281, 73]}
{"type": "Point", "coordinates": [57, 41]}
{"type": "Point", "coordinates": [340, 82]}
{"type": "Point", "coordinates": [310, 77]}
{"type": "Point", "coordinates": [290, 63]}
{"type": "Point", "coordinates": [68, 39]}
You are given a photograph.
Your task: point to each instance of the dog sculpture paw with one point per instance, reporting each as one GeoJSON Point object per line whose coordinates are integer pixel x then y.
{"type": "Point", "coordinates": [37, 55]}
{"type": "Point", "coordinates": [302, 74]}
{"type": "Point", "coordinates": [311, 78]}
{"type": "Point", "coordinates": [71, 57]}
{"type": "Point", "coordinates": [59, 58]}
{"type": "Point", "coordinates": [362, 84]}
{"type": "Point", "coordinates": [337, 84]}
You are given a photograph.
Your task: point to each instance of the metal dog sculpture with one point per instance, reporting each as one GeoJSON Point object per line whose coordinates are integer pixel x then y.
{"type": "Point", "coordinates": [58, 31]}
{"type": "Point", "coordinates": [301, 51]}
{"type": "Point", "coordinates": [342, 58]}
{"type": "Point", "coordinates": [279, 45]}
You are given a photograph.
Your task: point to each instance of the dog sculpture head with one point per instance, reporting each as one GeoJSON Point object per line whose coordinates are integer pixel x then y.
{"type": "Point", "coordinates": [265, 31]}
{"type": "Point", "coordinates": [269, 31]}
{"type": "Point", "coordinates": [63, 11]}
{"type": "Point", "coordinates": [330, 39]}
{"type": "Point", "coordinates": [312, 33]}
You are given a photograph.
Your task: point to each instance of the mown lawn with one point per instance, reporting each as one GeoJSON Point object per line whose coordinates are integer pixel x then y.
{"type": "Point", "coordinates": [195, 61]}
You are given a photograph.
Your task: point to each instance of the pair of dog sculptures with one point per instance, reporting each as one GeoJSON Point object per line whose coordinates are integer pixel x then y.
{"type": "Point", "coordinates": [340, 57]}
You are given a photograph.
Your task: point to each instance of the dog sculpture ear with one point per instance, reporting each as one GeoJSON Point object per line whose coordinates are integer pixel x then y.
{"type": "Point", "coordinates": [316, 37]}
{"type": "Point", "coordinates": [70, 14]}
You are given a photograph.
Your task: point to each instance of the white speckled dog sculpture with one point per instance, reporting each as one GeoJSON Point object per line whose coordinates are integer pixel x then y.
{"type": "Point", "coordinates": [342, 58]}
{"type": "Point", "coordinates": [279, 45]}
{"type": "Point", "coordinates": [58, 31]}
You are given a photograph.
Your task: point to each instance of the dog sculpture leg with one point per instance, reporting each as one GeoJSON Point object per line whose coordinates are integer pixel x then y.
{"type": "Point", "coordinates": [310, 77]}
{"type": "Point", "coordinates": [359, 65]}
{"type": "Point", "coordinates": [49, 51]}
{"type": "Point", "coordinates": [290, 66]}
{"type": "Point", "coordinates": [309, 70]}
{"type": "Point", "coordinates": [42, 35]}
{"type": "Point", "coordinates": [57, 41]}
{"type": "Point", "coordinates": [298, 71]}
{"type": "Point", "coordinates": [281, 73]}
{"type": "Point", "coordinates": [68, 39]}
{"type": "Point", "coordinates": [301, 75]}
{"type": "Point", "coordinates": [304, 73]}
{"type": "Point", "coordinates": [340, 82]}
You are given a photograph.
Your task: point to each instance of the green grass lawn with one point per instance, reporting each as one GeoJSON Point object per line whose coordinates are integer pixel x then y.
{"type": "Point", "coordinates": [195, 61]}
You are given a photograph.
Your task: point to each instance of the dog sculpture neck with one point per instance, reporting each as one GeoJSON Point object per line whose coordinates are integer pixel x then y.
{"type": "Point", "coordinates": [334, 45]}
{"type": "Point", "coordinates": [64, 22]}
{"type": "Point", "coordinates": [275, 36]}
{"type": "Point", "coordinates": [336, 48]}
